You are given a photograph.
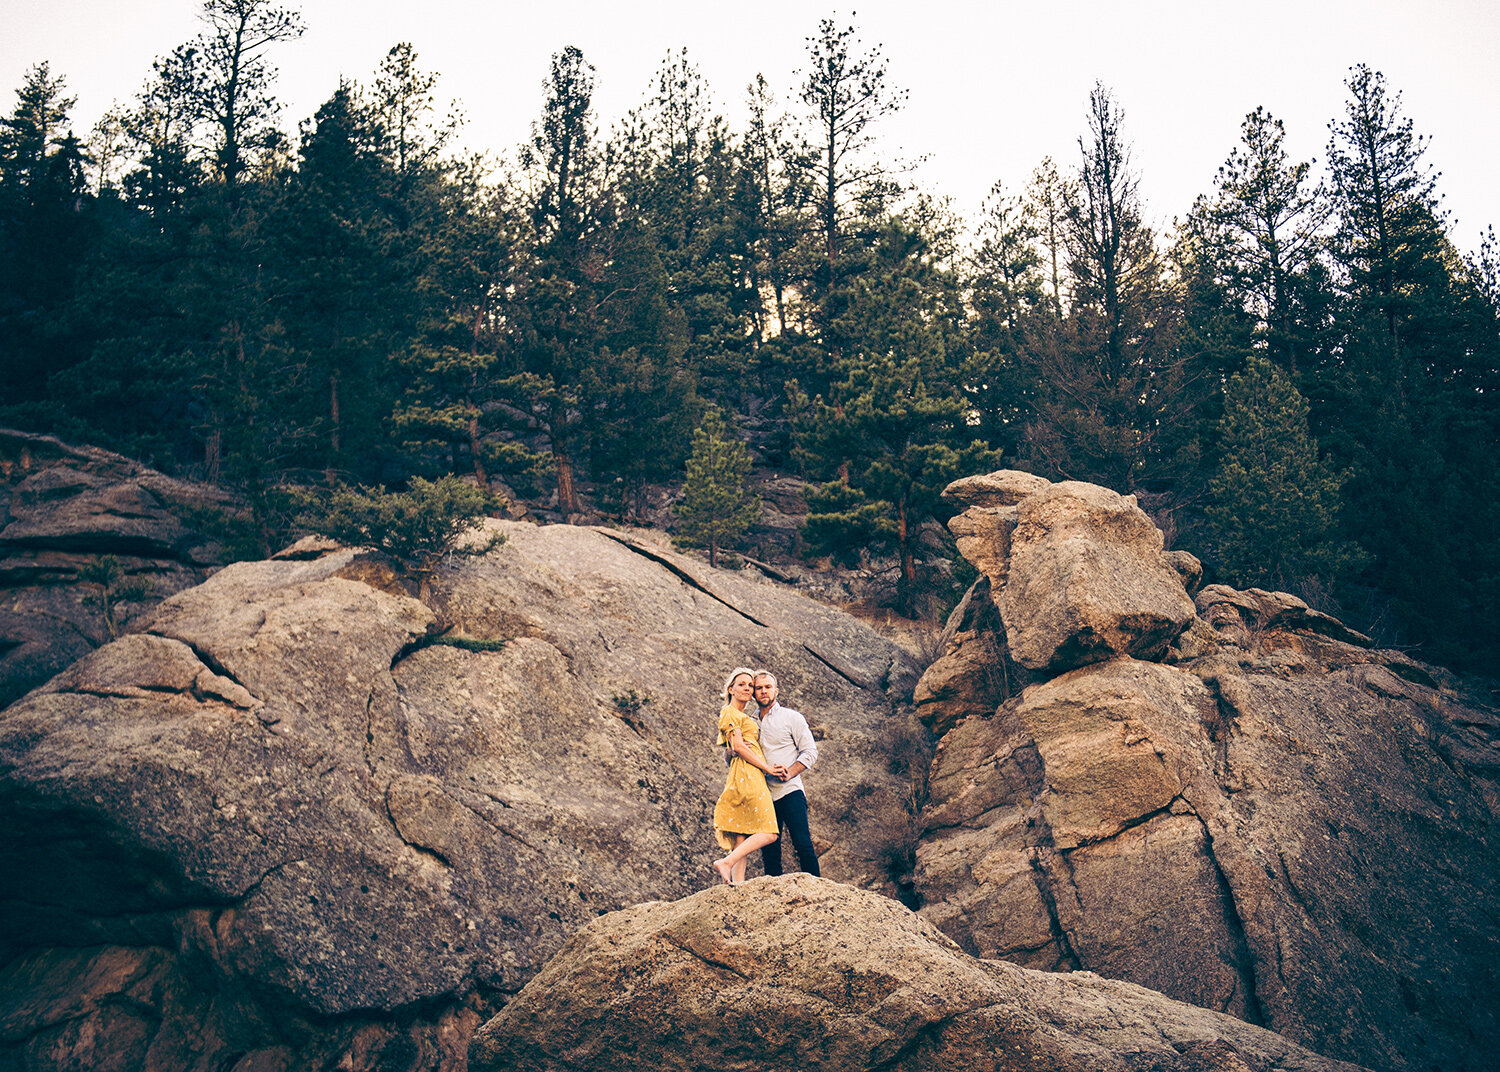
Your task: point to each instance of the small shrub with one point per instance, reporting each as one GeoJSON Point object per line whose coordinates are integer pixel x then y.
{"type": "Point", "coordinates": [417, 526]}
{"type": "Point", "coordinates": [114, 589]}
{"type": "Point", "coordinates": [470, 643]}
{"type": "Point", "coordinates": [630, 702]}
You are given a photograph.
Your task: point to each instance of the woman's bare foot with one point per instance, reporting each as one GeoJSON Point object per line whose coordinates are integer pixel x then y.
{"type": "Point", "coordinates": [723, 868]}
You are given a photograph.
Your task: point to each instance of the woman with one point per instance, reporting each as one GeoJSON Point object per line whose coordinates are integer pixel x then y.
{"type": "Point", "coordinates": [744, 818]}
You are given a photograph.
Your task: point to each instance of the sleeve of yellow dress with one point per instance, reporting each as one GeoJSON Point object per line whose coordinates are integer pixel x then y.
{"type": "Point", "coordinates": [728, 721]}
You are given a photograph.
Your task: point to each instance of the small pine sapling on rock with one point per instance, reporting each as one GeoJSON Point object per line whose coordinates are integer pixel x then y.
{"type": "Point", "coordinates": [717, 506]}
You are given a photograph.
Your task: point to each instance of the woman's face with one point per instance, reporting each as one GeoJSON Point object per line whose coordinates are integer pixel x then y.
{"type": "Point", "coordinates": [740, 690]}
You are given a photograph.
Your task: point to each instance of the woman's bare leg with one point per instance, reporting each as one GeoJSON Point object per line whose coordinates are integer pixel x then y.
{"type": "Point", "coordinates": [732, 867]}
{"type": "Point", "coordinates": [724, 867]}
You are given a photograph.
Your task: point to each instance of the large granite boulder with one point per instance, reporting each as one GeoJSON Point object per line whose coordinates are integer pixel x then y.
{"type": "Point", "coordinates": [804, 973]}
{"type": "Point", "coordinates": [293, 823]}
{"type": "Point", "coordinates": [1077, 572]}
{"type": "Point", "coordinates": [63, 509]}
{"type": "Point", "coordinates": [1088, 580]}
{"type": "Point", "coordinates": [1276, 820]}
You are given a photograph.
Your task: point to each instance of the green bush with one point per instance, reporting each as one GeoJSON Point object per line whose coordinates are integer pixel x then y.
{"type": "Point", "coordinates": [417, 526]}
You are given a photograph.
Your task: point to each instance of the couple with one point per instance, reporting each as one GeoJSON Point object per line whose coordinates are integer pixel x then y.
{"type": "Point", "coordinates": [770, 747]}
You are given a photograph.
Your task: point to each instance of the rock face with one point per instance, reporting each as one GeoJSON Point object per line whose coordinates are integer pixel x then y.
{"type": "Point", "coordinates": [798, 972]}
{"type": "Point", "coordinates": [1273, 819]}
{"type": "Point", "coordinates": [280, 826]}
{"type": "Point", "coordinates": [61, 509]}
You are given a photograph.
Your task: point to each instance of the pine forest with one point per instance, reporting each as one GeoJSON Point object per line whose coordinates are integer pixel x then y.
{"type": "Point", "coordinates": [637, 322]}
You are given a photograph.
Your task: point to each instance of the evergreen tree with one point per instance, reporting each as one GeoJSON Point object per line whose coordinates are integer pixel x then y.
{"type": "Point", "coordinates": [892, 429]}
{"type": "Point", "coordinates": [717, 505]}
{"type": "Point", "coordinates": [1008, 303]}
{"type": "Point", "coordinates": [1271, 219]}
{"type": "Point", "coordinates": [404, 104]}
{"type": "Point", "coordinates": [45, 232]}
{"type": "Point", "coordinates": [561, 296]}
{"type": "Point", "coordinates": [1047, 197]}
{"type": "Point", "coordinates": [344, 287]}
{"type": "Point", "coordinates": [233, 80]}
{"type": "Point", "coordinates": [160, 128]}
{"type": "Point", "coordinates": [1389, 235]}
{"type": "Point", "coordinates": [1115, 394]}
{"type": "Point", "coordinates": [847, 91]}
{"type": "Point", "coordinates": [1274, 504]}
{"type": "Point", "coordinates": [679, 183]}
{"type": "Point", "coordinates": [775, 193]}
{"type": "Point", "coordinates": [1405, 405]}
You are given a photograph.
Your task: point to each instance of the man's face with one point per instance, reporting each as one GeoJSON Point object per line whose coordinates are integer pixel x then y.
{"type": "Point", "coordinates": [765, 691]}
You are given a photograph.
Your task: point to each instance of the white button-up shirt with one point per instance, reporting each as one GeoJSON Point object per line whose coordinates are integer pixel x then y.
{"type": "Point", "coordinates": [785, 739]}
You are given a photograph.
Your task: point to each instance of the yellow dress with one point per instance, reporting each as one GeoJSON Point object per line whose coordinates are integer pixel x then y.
{"type": "Point", "coordinates": [745, 805]}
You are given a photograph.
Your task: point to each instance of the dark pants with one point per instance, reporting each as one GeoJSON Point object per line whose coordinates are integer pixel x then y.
{"type": "Point", "coordinates": [791, 816]}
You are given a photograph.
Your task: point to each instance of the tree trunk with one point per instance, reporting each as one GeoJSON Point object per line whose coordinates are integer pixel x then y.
{"type": "Point", "coordinates": [567, 491]}
{"type": "Point", "coordinates": [906, 584]}
{"type": "Point", "coordinates": [474, 451]}
{"type": "Point", "coordinates": [333, 414]}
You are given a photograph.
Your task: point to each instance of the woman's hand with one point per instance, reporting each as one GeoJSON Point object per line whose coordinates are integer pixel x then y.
{"type": "Point", "coordinates": [777, 771]}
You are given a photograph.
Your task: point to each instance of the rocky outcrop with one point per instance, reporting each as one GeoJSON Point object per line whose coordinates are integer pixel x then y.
{"type": "Point", "coordinates": [1273, 819]}
{"type": "Point", "coordinates": [62, 509]}
{"type": "Point", "coordinates": [799, 972]}
{"type": "Point", "coordinates": [303, 819]}
{"type": "Point", "coordinates": [973, 672]}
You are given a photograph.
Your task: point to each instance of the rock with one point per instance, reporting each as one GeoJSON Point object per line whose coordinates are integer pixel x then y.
{"type": "Point", "coordinates": [1087, 581]}
{"type": "Point", "coordinates": [1188, 568]}
{"type": "Point", "coordinates": [1235, 615]}
{"type": "Point", "coordinates": [974, 674]}
{"type": "Point", "coordinates": [290, 792]}
{"type": "Point", "coordinates": [798, 972]}
{"type": "Point", "coordinates": [983, 535]}
{"type": "Point", "coordinates": [1233, 834]}
{"type": "Point", "coordinates": [1262, 823]}
{"type": "Point", "coordinates": [61, 509]}
{"type": "Point", "coordinates": [1004, 487]}
{"type": "Point", "coordinates": [1080, 786]}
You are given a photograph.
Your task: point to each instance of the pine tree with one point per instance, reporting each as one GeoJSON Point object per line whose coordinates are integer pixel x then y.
{"type": "Point", "coordinates": [234, 80]}
{"type": "Point", "coordinates": [1271, 217]}
{"type": "Point", "coordinates": [717, 506]}
{"type": "Point", "coordinates": [847, 90]}
{"type": "Point", "coordinates": [892, 428]}
{"type": "Point", "coordinates": [1274, 502]}
{"type": "Point", "coordinates": [1115, 393]}
{"type": "Point", "coordinates": [44, 235]}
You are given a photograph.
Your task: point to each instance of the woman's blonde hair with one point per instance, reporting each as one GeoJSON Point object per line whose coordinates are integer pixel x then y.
{"type": "Point", "coordinates": [736, 672]}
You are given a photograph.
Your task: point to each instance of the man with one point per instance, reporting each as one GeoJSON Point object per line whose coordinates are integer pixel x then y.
{"type": "Point", "coordinates": [786, 740]}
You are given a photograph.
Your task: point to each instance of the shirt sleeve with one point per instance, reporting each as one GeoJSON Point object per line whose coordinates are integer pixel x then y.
{"type": "Point", "coordinates": [807, 748]}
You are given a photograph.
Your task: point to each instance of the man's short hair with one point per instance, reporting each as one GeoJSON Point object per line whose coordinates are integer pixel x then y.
{"type": "Point", "coordinates": [765, 673]}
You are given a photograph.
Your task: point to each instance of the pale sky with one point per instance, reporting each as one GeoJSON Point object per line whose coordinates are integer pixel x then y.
{"type": "Point", "coordinates": [994, 87]}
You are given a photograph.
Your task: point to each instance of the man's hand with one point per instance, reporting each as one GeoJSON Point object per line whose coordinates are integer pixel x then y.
{"type": "Point", "coordinates": [778, 772]}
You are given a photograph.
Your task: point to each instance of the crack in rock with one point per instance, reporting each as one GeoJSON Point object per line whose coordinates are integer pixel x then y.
{"type": "Point", "coordinates": [677, 571]}
{"type": "Point", "coordinates": [1243, 957]}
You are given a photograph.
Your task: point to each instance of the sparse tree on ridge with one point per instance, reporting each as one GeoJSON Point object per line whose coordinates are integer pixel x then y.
{"type": "Point", "coordinates": [235, 77]}
{"type": "Point", "coordinates": [847, 91]}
